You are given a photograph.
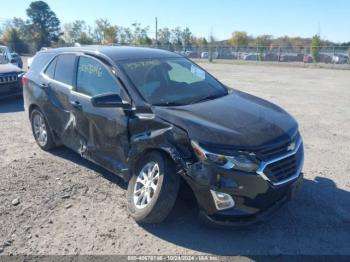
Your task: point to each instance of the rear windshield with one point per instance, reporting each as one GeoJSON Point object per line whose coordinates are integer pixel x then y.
{"type": "Point", "coordinates": [39, 61]}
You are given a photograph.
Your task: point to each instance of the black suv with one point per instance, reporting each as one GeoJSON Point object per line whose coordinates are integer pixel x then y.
{"type": "Point", "coordinates": [10, 75]}
{"type": "Point", "coordinates": [154, 118]}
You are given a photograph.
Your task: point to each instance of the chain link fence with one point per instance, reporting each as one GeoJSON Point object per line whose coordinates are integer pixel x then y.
{"type": "Point", "coordinates": [335, 55]}
{"type": "Point", "coordinates": [280, 54]}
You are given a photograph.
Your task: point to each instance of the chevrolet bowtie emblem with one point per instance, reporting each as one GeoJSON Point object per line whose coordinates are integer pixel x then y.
{"type": "Point", "coordinates": [291, 147]}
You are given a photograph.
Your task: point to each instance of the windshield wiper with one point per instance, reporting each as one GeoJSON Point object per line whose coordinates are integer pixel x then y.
{"type": "Point", "coordinates": [206, 98]}
{"type": "Point", "coordinates": [169, 104]}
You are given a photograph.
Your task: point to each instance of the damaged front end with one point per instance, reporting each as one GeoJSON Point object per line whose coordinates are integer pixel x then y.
{"type": "Point", "coordinates": [148, 132]}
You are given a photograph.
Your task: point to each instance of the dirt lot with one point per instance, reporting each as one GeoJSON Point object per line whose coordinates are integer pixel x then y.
{"type": "Point", "coordinates": [70, 206]}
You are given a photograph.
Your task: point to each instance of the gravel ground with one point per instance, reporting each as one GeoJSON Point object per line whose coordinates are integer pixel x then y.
{"type": "Point", "coordinates": [58, 203]}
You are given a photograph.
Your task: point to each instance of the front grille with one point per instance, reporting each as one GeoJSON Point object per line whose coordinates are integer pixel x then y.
{"type": "Point", "coordinates": [5, 79]}
{"type": "Point", "coordinates": [285, 168]}
{"type": "Point", "coordinates": [276, 150]}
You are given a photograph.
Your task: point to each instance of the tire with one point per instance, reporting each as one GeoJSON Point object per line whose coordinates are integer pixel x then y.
{"type": "Point", "coordinates": [164, 196]}
{"type": "Point", "coordinates": [37, 117]}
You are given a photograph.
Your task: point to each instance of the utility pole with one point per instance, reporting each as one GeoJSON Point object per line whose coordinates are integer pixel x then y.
{"type": "Point", "coordinates": [156, 31]}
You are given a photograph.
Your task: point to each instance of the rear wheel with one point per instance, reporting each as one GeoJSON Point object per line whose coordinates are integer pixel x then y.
{"type": "Point", "coordinates": [41, 130]}
{"type": "Point", "coordinates": [153, 189]}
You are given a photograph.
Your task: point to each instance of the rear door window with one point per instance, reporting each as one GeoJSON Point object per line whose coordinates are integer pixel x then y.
{"type": "Point", "coordinates": [93, 78]}
{"type": "Point", "coordinates": [50, 70]}
{"type": "Point", "coordinates": [40, 60]}
{"type": "Point", "coordinates": [65, 69]}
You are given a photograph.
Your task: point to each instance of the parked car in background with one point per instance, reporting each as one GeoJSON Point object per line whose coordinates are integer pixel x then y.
{"type": "Point", "coordinates": [291, 57]}
{"type": "Point", "coordinates": [16, 60]}
{"type": "Point", "coordinates": [340, 59]}
{"type": "Point", "coordinates": [10, 76]}
{"type": "Point", "coordinates": [321, 58]}
{"type": "Point", "coordinates": [155, 118]}
{"type": "Point", "coordinates": [192, 54]}
{"type": "Point", "coordinates": [205, 55]}
{"type": "Point", "coordinates": [308, 59]}
{"type": "Point", "coordinates": [271, 57]}
{"type": "Point", "coordinates": [11, 56]}
{"type": "Point", "coordinates": [251, 57]}
{"type": "Point", "coordinates": [324, 58]}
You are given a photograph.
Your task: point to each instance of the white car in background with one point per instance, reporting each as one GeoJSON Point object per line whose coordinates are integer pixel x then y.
{"type": "Point", "coordinates": [205, 55]}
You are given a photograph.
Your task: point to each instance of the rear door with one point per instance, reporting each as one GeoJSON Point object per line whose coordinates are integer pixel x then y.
{"type": "Point", "coordinates": [59, 76]}
{"type": "Point", "coordinates": [102, 133]}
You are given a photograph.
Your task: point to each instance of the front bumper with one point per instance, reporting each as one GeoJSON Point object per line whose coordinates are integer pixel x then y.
{"type": "Point", "coordinates": [255, 196]}
{"type": "Point", "coordinates": [229, 219]}
{"type": "Point", "coordinates": [10, 90]}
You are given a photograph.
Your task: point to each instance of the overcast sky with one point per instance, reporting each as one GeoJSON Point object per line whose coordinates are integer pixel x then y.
{"type": "Point", "coordinates": [276, 17]}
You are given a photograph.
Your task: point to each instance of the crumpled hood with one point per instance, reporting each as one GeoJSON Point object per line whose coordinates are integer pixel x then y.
{"type": "Point", "coordinates": [9, 68]}
{"type": "Point", "coordinates": [238, 119]}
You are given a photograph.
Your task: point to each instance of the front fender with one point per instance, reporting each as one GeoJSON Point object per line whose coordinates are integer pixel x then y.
{"type": "Point", "coordinates": [148, 132]}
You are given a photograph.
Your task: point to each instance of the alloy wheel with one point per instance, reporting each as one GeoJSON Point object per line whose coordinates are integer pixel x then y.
{"type": "Point", "coordinates": [40, 129]}
{"type": "Point", "coordinates": [146, 185]}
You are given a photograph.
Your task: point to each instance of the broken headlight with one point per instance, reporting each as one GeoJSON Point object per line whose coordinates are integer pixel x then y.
{"type": "Point", "coordinates": [238, 160]}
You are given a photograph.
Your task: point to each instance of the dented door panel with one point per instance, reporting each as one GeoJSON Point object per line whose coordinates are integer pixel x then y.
{"type": "Point", "coordinates": [101, 133]}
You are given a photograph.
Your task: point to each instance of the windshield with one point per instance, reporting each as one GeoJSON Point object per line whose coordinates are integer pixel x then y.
{"type": "Point", "coordinates": [3, 56]}
{"type": "Point", "coordinates": [172, 81]}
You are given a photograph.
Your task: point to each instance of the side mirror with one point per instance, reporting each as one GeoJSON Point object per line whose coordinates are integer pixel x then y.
{"type": "Point", "coordinates": [109, 100]}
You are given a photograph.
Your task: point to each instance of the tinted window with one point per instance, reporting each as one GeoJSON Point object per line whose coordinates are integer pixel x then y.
{"type": "Point", "coordinates": [65, 69]}
{"type": "Point", "coordinates": [94, 79]}
{"type": "Point", "coordinates": [39, 61]}
{"type": "Point", "coordinates": [50, 70]}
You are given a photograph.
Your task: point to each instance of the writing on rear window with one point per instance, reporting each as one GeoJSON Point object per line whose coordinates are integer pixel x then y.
{"type": "Point", "coordinates": [91, 69]}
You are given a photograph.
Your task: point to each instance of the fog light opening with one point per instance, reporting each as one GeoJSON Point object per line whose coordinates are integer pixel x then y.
{"type": "Point", "coordinates": [222, 200]}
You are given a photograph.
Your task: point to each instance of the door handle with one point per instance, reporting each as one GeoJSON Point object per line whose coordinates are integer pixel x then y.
{"type": "Point", "coordinates": [76, 104]}
{"type": "Point", "coordinates": [44, 85]}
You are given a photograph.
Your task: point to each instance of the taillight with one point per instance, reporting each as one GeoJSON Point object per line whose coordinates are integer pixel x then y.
{"type": "Point", "coordinates": [24, 80]}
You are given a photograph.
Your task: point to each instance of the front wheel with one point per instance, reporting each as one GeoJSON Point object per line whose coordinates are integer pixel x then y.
{"type": "Point", "coordinates": [153, 189]}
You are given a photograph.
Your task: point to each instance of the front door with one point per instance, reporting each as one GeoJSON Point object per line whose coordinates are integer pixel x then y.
{"type": "Point", "coordinates": [102, 133]}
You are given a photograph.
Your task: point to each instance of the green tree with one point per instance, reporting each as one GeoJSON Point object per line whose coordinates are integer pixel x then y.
{"type": "Point", "coordinates": [85, 39]}
{"type": "Point", "coordinates": [100, 28]}
{"type": "Point", "coordinates": [110, 34]}
{"type": "Point", "coordinates": [284, 42]}
{"type": "Point", "coordinates": [263, 43]}
{"type": "Point", "coordinates": [187, 38]}
{"type": "Point", "coordinates": [73, 31]}
{"type": "Point", "coordinates": [176, 37]}
{"type": "Point", "coordinates": [22, 27]}
{"type": "Point", "coordinates": [239, 39]}
{"type": "Point", "coordinates": [315, 47]}
{"type": "Point", "coordinates": [44, 24]}
{"type": "Point", "coordinates": [200, 41]}
{"type": "Point", "coordinates": [16, 34]}
{"type": "Point", "coordinates": [124, 35]}
{"type": "Point", "coordinates": [164, 36]}
{"type": "Point", "coordinates": [140, 35]}
{"type": "Point", "coordinates": [11, 39]}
